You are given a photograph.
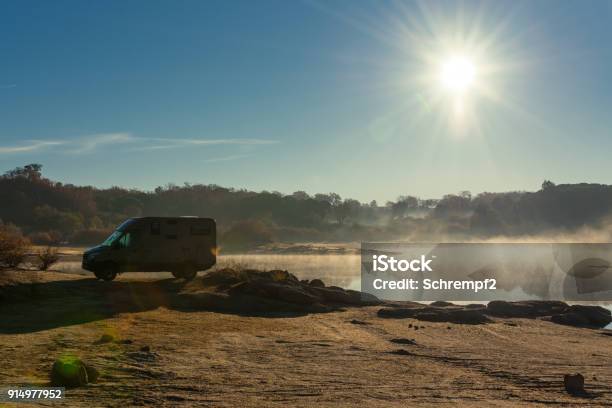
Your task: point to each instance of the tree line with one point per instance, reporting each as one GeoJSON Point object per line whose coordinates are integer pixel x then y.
{"type": "Point", "coordinates": [51, 212]}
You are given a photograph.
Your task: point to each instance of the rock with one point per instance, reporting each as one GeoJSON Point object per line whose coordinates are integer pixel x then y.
{"type": "Point", "coordinates": [274, 290]}
{"type": "Point", "coordinates": [71, 372]}
{"type": "Point", "coordinates": [145, 349]}
{"type": "Point", "coordinates": [595, 315]}
{"type": "Point", "coordinates": [437, 314]}
{"type": "Point", "coordinates": [336, 295]}
{"type": "Point", "coordinates": [570, 319]}
{"type": "Point", "coordinates": [574, 383]}
{"type": "Point", "coordinates": [317, 283]}
{"type": "Point", "coordinates": [278, 289]}
{"type": "Point", "coordinates": [105, 338]}
{"type": "Point", "coordinates": [475, 306]}
{"type": "Point", "coordinates": [411, 342]}
{"type": "Point", "coordinates": [441, 303]}
{"type": "Point", "coordinates": [92, 373]}
{"type": "Point", "coordinates": [230, 276]}
{"type": "Point", "coordinates": [125, 341]}
{"type": "Point", "coordinates": [527, 309]}
{"type": "Point", "coordinates": [360, 322]}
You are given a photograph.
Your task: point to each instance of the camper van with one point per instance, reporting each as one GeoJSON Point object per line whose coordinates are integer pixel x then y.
{"type": "Point", "coordinates": [181, 245]}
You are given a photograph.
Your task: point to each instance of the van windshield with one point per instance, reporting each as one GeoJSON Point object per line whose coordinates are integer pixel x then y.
{"type": "Point", "coordinates": [112, 238]}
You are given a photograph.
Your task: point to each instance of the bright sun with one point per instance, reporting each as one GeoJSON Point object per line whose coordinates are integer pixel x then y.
{"type": "Point", "coordinates": [457, 74]}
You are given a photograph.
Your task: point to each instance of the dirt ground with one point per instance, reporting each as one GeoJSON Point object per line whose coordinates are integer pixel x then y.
{"type": "Point", "coordinates": [199, 357]}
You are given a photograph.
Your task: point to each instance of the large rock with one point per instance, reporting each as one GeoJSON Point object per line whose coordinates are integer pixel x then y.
{"type": "Point", "coordinates": [437, 314]}
{"type": "Point", "coordinates": [526, 309]}
{"type": "Point", "coordinates": [72, 372]}
{"type": "Point", "coordinates": [274, 290]}
{"type": "Point", "coordinates": [557, 312]}
{"type": "Point", "coordinates": [595, 315]}
{"type": "Point", "coordinates": [441, 303]}
{"type": "Point", "coordinates": [570, 319]}
{"type": "Point", "coordinates": [281, 286]}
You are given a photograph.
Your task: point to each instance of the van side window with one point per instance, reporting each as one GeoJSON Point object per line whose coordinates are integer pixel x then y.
{"type": "Point", "coordinates": [155, 228]}
{"type": "Point", "coordinates": [200, 229]}
{"type": "Point", "coordinates": [172, 222]}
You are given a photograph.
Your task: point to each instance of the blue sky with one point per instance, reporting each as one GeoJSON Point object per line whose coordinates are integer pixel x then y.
{"type": "Point", "coordinates": [306, 95]}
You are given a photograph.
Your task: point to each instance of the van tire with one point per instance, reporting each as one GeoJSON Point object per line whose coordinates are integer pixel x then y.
{"type": "Point", "coordinates": [177, 274]}
{"type": "Point", "coordinates": [189, 273]}
{"type": "Point", "coordinates": [107, 273]}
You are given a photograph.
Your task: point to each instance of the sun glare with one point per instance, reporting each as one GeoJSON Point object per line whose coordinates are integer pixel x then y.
{"type": "Point", "coordinates": [457, 74]}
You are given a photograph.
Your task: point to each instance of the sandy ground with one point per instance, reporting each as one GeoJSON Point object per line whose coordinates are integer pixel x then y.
{"type": "Point", "coordinates": [344, 358]}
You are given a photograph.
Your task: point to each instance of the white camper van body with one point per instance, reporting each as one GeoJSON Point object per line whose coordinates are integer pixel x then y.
{"type": "Point", "coordinates": [181, 245]}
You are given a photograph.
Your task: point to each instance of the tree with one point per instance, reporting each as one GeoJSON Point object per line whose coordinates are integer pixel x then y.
{"type": "Point", "coordinates": [547, 185]}
{"type": "Point", "coordinates": [31, 171]}
{"type": "Point", "coordinates": [349, 208]}
{"type": "Point", "coordinates": [403, 206]}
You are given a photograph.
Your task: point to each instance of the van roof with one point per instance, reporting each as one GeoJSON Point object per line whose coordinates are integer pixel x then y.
{"type": "Point", "coordinates": [173, 218]}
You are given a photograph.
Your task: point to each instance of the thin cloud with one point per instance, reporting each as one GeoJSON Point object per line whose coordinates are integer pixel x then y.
{"type": "Point", "coordinates": [226, 158]}
{"type": "Point", "coordinates": [8, 86]}
{"type": "Point", "coordinates": [167, 143]}
{"type": "Point", "coordinates": [92, 143]}
{"type": "Point", "coordinates": [31, 146]}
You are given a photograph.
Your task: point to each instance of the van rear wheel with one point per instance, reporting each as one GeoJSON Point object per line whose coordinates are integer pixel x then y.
{"type": "Point", "coordinates": [108, 273]}
{"type": "Point", "coordinates": [187, 272]}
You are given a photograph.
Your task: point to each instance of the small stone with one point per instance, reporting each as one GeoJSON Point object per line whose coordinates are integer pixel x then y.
{"type": "Point", "coordinates": [360, 322]}
{"type": "Point", "coordinates": [403, 341]}
{"type": "Point", "coordinates": [145, 349]}
{"type": "Point", "coordinates": [574, 383]}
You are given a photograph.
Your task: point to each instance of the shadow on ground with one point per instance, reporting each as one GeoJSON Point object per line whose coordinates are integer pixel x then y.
{"type": "Point", "coordinates": [33, 306]}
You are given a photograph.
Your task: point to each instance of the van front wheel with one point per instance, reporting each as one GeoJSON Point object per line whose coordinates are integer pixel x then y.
{"type": "Point", "coordinates": [189, 273]}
